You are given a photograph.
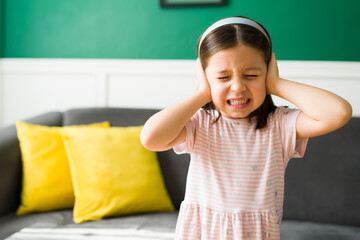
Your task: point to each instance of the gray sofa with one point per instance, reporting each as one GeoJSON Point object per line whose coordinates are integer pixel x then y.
{"type": "Point", "coordinates": [322, 191]}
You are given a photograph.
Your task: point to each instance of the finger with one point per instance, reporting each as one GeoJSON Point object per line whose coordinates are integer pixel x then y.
{"type": "Point", "coordinates": [200, 70]}
{"type": "Point", "coordinates": [274, 64]}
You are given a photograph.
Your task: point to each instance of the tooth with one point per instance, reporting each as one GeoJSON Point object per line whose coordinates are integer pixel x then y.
{"type": "Point", "coordinates": [235, 102]}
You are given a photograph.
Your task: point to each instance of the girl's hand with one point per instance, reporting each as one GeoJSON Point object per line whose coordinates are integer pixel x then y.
{"type": "Point", "coordinates": [321, 111]}
{"type": "Point", "coordinates": [203, 83]}
{"type": "Point", "coordinates": [272, 76]}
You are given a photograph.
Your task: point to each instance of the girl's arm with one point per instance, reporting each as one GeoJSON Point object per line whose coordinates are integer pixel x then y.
{"type": "Point", "coordinates": [166, 128]}
{"type": "Point", "coordinates": [322, 111]}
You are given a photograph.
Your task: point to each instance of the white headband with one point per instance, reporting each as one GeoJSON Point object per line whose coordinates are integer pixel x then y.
{"type": "Point", "coordinates": [232, 20]}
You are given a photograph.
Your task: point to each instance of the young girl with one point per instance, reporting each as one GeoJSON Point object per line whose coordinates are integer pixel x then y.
{"type": "Point", "coordinates": [239, 142]}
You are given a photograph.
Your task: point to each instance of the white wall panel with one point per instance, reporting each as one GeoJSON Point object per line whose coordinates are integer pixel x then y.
{"type": "Point", "coordinates": [32, 86]}
{"type": "Point", "coordinates": [151, 91]}
{"type": "Point", "coordinates": [29, 95]}
{"type": "Point", "coordinates": [1, 100]}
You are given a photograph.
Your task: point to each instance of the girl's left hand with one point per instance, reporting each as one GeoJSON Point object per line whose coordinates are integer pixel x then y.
{"type": "Point", "coordinates": [272, 76]}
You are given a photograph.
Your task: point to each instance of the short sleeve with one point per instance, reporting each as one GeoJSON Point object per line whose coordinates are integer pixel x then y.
{"type": "Point", "coordinates": [286, 122]}
{"type": "Point", "coordinates": [190, 126]}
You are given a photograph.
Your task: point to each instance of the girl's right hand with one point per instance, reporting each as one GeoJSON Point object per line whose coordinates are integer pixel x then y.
{"type": "Point", "coordinates": [203, 83]}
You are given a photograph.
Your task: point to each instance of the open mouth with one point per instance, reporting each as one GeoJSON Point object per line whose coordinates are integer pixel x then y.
{"type": "Point", "coordinates": [238, 102]}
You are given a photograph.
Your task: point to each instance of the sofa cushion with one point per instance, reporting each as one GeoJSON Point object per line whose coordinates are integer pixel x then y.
{"type": "Point", "coordinates": [61, 221]}
{"type": "Point", "coordinates": [303, 230]}
{"type": "Point", "coordinates": [324, 185]}
{"type": "Point", "coordinates": [121, 117]}
{"type": "Point", "coordinates": [113, 174]}
{"type": "Point", "coordinates": [154, 222]}
{"type": "Point", "coordinates": [174, 167]}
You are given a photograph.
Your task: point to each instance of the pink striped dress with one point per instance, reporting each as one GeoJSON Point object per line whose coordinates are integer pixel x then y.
{"type": "Point", "coordinates": [235, 182]}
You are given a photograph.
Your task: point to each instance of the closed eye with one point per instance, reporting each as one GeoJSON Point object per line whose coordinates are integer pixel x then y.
{"type": "Point", "coordinates": [223, 78]}
{"type": "Point", "coordinates": [251, 76]}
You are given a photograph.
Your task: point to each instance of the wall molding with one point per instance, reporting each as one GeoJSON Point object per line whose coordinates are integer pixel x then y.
{"type": "Point", "coordinates": [179, 67]}
{"type": "Point", "coordinates": [32, 86]}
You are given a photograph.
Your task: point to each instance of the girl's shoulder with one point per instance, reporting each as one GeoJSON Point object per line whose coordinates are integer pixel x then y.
{"type": "Point", "coordinates": [283, 115]}
{"type": "Point", "coordinates": [206, 115]}
{"type": "Point", "coordinates": [281, 112]}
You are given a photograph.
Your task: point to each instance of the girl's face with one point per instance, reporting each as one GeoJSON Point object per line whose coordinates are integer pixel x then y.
{"type": "Point", "coordinates": [237, 80]}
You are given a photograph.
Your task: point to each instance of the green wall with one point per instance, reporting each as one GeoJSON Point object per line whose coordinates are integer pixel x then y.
{"type": "Point", "coordinates": [141, 29]}
{"type": "Point", "coordinates": [1, 28]}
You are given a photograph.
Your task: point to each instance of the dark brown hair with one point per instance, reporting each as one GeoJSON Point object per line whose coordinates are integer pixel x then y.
{"type": "Point", "coordinates": [229, 36]}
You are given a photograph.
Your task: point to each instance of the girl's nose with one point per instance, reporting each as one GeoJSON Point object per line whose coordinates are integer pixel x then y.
{"type": "Point", "coordinates": [238, 85]}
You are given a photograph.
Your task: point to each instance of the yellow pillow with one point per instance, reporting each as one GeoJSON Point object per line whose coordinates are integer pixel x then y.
{"type": "Point", "coordinates": [47, 183]}
{"type": "Point", "coordinates": [113, 174]}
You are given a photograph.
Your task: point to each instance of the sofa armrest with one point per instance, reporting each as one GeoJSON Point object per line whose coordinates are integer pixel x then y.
{"type": "Point", "coordinates": [10, 161]}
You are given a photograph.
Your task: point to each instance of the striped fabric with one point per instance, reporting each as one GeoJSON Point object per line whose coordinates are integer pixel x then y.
{"type": "Point", "coordinates": [235, 183]}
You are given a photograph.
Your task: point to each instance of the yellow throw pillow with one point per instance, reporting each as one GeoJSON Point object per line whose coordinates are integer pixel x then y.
{"type": "Point", "coordinates": [113, 174]}
{"type": "Point", "coordinates": [47, 183]}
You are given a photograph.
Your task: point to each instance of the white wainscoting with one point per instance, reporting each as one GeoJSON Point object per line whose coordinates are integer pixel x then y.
{"type": "Point", "coordinates": [32, 86]}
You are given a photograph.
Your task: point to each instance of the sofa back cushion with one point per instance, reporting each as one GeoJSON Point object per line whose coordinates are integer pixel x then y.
{"type": "Point", "coordinates": [324, 186]}
{"type": "Point", "coordinates": [174, 167]}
